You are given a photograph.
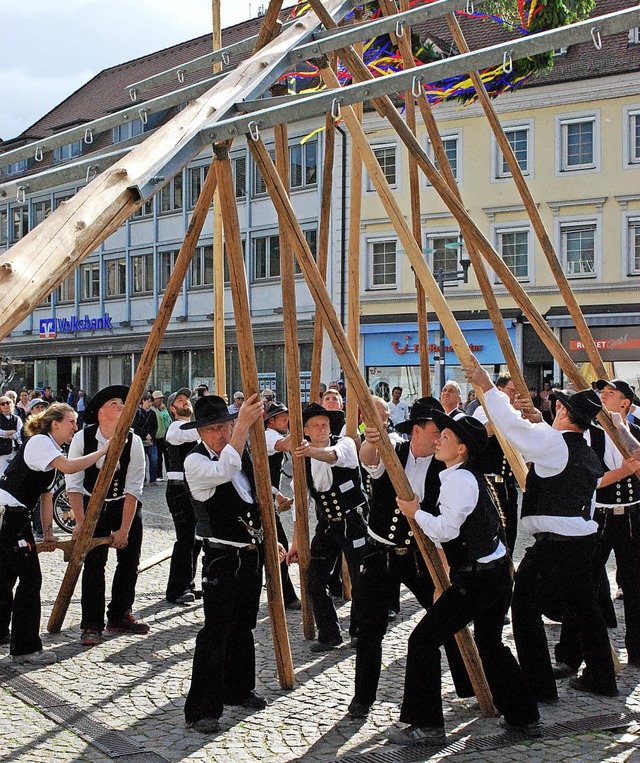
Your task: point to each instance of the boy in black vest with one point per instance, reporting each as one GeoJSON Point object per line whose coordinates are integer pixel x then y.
{"type": "Point", "coordinates": [10, 426]}
{"type": "Point", "coordinates": [120, 517]}
{"type": "Point", "coordinates": [557, 509]}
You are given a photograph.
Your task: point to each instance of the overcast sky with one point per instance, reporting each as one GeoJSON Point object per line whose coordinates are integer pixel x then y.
{"type": "Point", "coordinates": [49, 49]}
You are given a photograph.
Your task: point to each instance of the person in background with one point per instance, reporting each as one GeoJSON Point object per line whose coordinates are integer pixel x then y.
{"type": "Point", "coordinates": [145, 425]}
{"type": "Point", "coordinates": [10, 427]}
{"type": "Point", "coordinates": [47, 395]}
{"type": "Point", "coordinates": [80, 406]}
{"type": "Point", "coordinates": [398, 410]}
{"type": "Point", "coordinates": [164, 422]}
{"type": "Point", "coordinates": [238, 400]}
{"type": "Point", "coordinates": [22, 405]}
{"type": "Point", "coordinates": [72, 395]}
{"type": "Point", "coordinates": [451, 397]}
{"type": "Point", "coordinates": [267, 396]}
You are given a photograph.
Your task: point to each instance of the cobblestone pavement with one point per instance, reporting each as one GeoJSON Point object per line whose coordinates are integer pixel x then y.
{"type": "Point", "coordinates": [136, 686]}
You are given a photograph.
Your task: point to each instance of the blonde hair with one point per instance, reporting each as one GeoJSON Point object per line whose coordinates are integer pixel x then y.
{"type": "Point", "coordinates": [40, 423]}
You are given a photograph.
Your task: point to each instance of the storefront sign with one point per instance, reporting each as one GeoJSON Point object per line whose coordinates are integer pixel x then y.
{"type": "Point", "coordinates": [615, 343]}
{"type": "Point", "coordinates": [50, 327]}
{"type": "Point", "coordinates": [406, 347]}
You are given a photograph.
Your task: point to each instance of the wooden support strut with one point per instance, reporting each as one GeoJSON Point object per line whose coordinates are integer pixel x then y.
{"type": "Point", "coordinates": [105, 475]}
{"type": "Point", "coordinates": [249, 375]}
{"type": "Point", "coordinates": [359, 389]}
{"type": "Point", "coordinates": [292, 364]}
{"type": "Point", "coordinates": [67, 546]}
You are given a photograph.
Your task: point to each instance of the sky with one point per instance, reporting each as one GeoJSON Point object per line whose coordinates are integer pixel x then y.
{"type": "Point", "coordinates": [50, 49]}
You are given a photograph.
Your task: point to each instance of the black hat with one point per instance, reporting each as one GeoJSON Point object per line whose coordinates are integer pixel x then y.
{"type": "Point", "coordinates": [421, 410]}
{"type": "Point", "coordinates": [182, 391]}
{"type": "Point", "coordinates": [585, 405]}
{"type": "Point", "coordinates": [100, 398]}
{"type": "Point", "coordinates": [469, 430]}
{"type": "Point", "coordinates": [336, 418]}
{"type": "Point", "coordinates": [209, 409]}
{"type": "Point", "coordinates": [618, 384]}
{"type": "Point", "coordinates": [273, 410]}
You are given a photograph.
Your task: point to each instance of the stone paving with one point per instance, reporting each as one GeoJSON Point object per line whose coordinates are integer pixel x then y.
{"type": "Point", "coordinates": [137, 686]}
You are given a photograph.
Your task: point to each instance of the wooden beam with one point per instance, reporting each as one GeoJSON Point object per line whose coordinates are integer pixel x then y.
{"type": "Point", "coordinates": [250, 385]}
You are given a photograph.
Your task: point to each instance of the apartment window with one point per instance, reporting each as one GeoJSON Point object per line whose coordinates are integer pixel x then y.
{"type": "Point", "coordinates": [578, 242]}
{"type": "Point", "coordinates": [68, 151]}
{"type": "Point", "coordinates": [513, 247]}
{"type": "Point", "coordinates": [444, 252]}
{"type": "Point", "coordinates": [171, 196]}
{"type": "Point", "coordinates": [451, 144]}
{"type": "Point", "coordinates": [61, 198]}
{"type": "Point", "coordinates": [40, 210]}
{"type": "Point", "coordinates": [259, 186]}
{"type": "Point", "coordinates": [225, 259]}
{"type": "Point", "coordinates": [266, 257]}
{"type": "Point", "coordinates": [634, 36]}
{"type": "Point", "coordinates": [90, 281]}
{"type": "Point", "coordinates": [116, 277]}
{"type": "Point", "coordinates": [311, 236]}
{"type": "Point", "coordinates": [142, 274]}
{"type": "Point", "coordinates": [127, 130]}
{"type": "Point", "coordinates": [518, 138]}
{"type": "Point", "coordinates": [632, 136]}
{"type": "Point", "coordinates": [239, 166]}
{"type": "Point", "coordinates": [66, 292]}
{"type": "Point", "coordinates": [579, 143]}
{"type": "Point", "coordinates": [146, 210]}
{"type": "Point", "coordinates": [4, 233]}
{"type": "Point", "coordinates": [386, 156]}
{"type": "Point", "coordinates": [633, 239]}
{"type": "Point", "coordinates": [202, 266]}
{"type": "Point", "coordinates": [383, 268]}
{"type": "Point", "coordinates": [195, 180]}
{"type": "Point", "coordinates": [166, 263]}
{"type": "Point", "coordinates": [303, 165]}
{"type": "Point", "coordinates": [19, 222]}
{"type": "Point", "coordinates": [15, 169]}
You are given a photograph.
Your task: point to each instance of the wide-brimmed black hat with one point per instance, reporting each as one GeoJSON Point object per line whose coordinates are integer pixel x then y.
{"type": "Point", "coordinates": [421, 410]}
{"type": "Point", "coordinates": [585, 404]}
{"type": "Point", "coordinates": [336, 418]}
{"type": "Point", "coordinates": [119, 391]}
{"type": "Point", "coordinates": [273, 410]}
{"type": "Point", "coordinates": [182, 391]}
{"type": "Point", "coordinates": [210, 409]}
{"type": "Point", "coordinates": [618, 384]}
{"type": "Point", "coordinates": [467, 429]}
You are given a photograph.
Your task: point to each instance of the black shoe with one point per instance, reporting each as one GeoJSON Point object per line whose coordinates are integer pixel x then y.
{"type": "Point", "coordinates": [188, 597]}
{"type": "Point", "coordinates": [562, 670]}
{"type": "Point", "coordinates": [353, 644]}
{"type": "Point", "coordinates": [205, 725]}
{"type": "Point", "coordinates": [533, 729]}
{"type": "Point", "coordinates": [321, 646]}
{"type": "Point", "coordinates": [253, 700]}
{"type": "Point", "coordinates": [583, 683]}
{"type": "Point", "coordinates": [293, 604]}
{"type": "Point", "coordinates": [428, 735]}
{"type": "Point", "coordinates": [359, 709]}
{"type": "Point", "coordinates": [391, 615]}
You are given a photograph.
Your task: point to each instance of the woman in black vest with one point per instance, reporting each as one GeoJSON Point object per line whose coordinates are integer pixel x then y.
{"type": "Point", "coordinates": [29, 477]}
{"type": "Point", "coordinates": [468, 526]}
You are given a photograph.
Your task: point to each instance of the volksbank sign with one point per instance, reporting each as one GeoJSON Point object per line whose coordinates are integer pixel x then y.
{"type": "Point", "coordinates": [51, 327]}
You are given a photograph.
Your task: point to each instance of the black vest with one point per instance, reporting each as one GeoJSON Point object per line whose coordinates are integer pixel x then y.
{"type": "Point", "coordinates": [481, 530]}
{"type": "Point", "coordinates": [26, 484]}
{"type": "Point", "coordinates": [386, 520]}
{"type": "Point", "coordinates": [176, 455]}
{"type": "Point", "coordinates": [116, 488]}
{"type": "Point", "coordinates": [7, 424]}
{"type": "Point", "coordinates": [492, 460]}
{"type": "Point", "coordinates": [225, 515]}
{"type": "Point", "coordinates": [625, 492]}
{"type": "Point", "coordinates": [275, 464]}
{"type": "Point", "coordinates": [569, 493]}
{"type": "Point", "coordinates": [344, 495]}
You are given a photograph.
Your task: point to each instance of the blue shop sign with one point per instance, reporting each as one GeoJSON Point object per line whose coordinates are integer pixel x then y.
{"type": "Point", "coordinates": [398, 345]}
{"type": "Point", "coordinates": [51, 327]}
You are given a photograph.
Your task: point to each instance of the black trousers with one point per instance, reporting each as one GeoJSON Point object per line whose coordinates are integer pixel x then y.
{"type": "Point", "coordinates": [186, 549]}
{"type": "Point", "coordinates": [162, 455]}
{"type": "Point", "coordinates": [288, 591]}
{"type": "Point", "coordinates": [620, 534]}
{"type": "Point", "coordinates": [507, 493]}
{"type": "Point", "coordinates": [19, 612]}
{"type": "Point", "coordinates": [123, 589]}
{"type": "Point", "coordinates": [382, 572]}
{"type": "Point", "coordinates": [224, 660]}
{"type": "Point", "coordinates": [484, 598]}
{"type": "Point", "coordinates": [331, 538]}
{"type": "Point", "coordinates": [560, 570]}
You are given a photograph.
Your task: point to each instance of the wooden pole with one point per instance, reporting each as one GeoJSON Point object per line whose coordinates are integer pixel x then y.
{"type": "Point", "coordinates": [361, 392]}
{"type": "Point", "coordinates": [138, 385]}
{"type": "Point", "coordinates": [271, 25]}
{"type": "Point", "coordinates": [152, 561]}
{"type": "Point", "coordinates": [292, 363]}
{"type": "Point", "coordinates": [249, 374]}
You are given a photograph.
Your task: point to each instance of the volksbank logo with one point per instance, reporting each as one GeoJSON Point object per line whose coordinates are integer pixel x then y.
{"type": "Point", "coordinates": [49, 327]}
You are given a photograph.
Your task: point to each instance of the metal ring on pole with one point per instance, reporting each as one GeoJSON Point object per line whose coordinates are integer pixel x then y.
{"type": "Point", "coordinates": [225, 58]}
{"type": "Point", "coordinates": [144, 115]}
{"type": "Point", "coordinates": [180, 75]}
{"type": "Point", "coordinates": [416, 86]}
{"type": "Point", "coordinates": [336, 109]}
{"type": "Point", "coordinates": [21, 194]}
{"type": "Point", "coordinates": [507, 66]}
{"type": "Point", "coordinates": [39, 155]}
{"type": "Point", "coordinates": [400, 25]}
{"type": "Point", "coordinates": [133, 94]}
{"type": "Point", "coordinates": [595, 36]}
{"type": "Point", "coordinates": [88, 135]}
{"type": "Point", "coordinates": [254, 131]}
{"type": "Point", "coordinates": [470, 8]}
{"type": "Point", "coordinates": [92, 171]}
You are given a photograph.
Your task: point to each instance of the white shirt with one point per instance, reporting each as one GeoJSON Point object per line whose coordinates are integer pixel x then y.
{"type": "Point", "coordinates": [17, 436]}
{"type": "Point", "coordinates": [398, 412]}
{"type": "Point", "coordinates": [272, 437]}
{"type": "Point", "coordinates": [177, 436]}
{"type": "Point", "coordinates": [39, 452]}
{"type": "Point", "coordinates": [134, 479]}
{"type": "Point", "coordinates": [613, 459]}
{"type": "Point", "coordinates": [546, 448]}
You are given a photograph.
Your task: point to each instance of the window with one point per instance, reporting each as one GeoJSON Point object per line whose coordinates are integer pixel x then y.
{"type": "Point", "coordinates": [633, 239]}
{"type": "Point", "coordinates": [386, 156]}
{"type": "Point", "coordinates": [66, 292]}
{"type": "Point", "coordinates": [167, 262]}
{"type": "Point", "coordinates": [68, 151]}
{"type": "Point", "coordinates": [579, 143]}
{"type": "Point", "coordinates": [202, 266]}
{"type": "Point", "coordinates": [146, 210]}
{"type": "Point", "coordinates": [513, 247]}
{"type": "Point", "coordinates": [303, 165]}
{"type": "Point", "coordinates": [61, 198]}
{"type": "Point", "coordinates": [171, 195]}
{"type": "Point", "coordinates": [444, 251]}
{"type": "Point", "coordinates": [40, 210]}
{"type": "Point", "coordinates": [127, 130]}
{"type": "Point", "coordinates": [90, 281]}
{"type": "Point", "coordinates": [383, 264]}
{"type": "Point", "coordinates": [451, 144]}
{"type": "Point", "coordinates": [578, 242]}
{"type": "Point", "coordinates": [266, 257]}
{"type": "Point", "coordinates": [259, 186]}
{"type": "Point", "coordinates": [632, 136]}
{"type": "Point", "coordinates": [142, 274]}
{"type": "Point", "coordinates": [116, 277]}
{"type": "Point", "coordinates": [195, 180]}
{"type": "Point", "coordinates": [19, 222]}
{"type": "Point", "coordinates": [518, 138]}
{"type": "Point", "coordinates": [15, 169]}
{"type": "Point", "coordinates": [4, 233]}
{"type": "Point", "coordinates": [239, 165]}
{"type": "Point", "coordinates": [311, 235]}
{"type": "Point", "coordinates": [634, 36]}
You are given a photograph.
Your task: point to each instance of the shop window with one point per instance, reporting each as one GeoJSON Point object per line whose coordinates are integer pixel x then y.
{"type": "Point", "coordinates": [303, 165]}
{"type": "Point", "coordinates": [68, 151]}
{"type": "Point", "coordinates": [513, 247]}
{"type": "Point", "coordinates": [116, 277]}
{"type": "Point", "coordinates": [19, 222]}
{"type": "Point", "coordinates": [40, 210]}
{"type": "Point", "coordinates": [66, 292]}
{"type": "Point", "coordinates": [167, 263]}
{"type": "Point", "coordinates": [387, 159]}
{"type": "Point", "coordinates": [201, 272]}
{"type": "Point", "coordinates": [266, 257]}
{"type": "Point", "coordinates": [578, 143]}
{"type": "Point", "coordinates": [127, 130]}
{"type": "Point", "coordinates": [90, 281]}
{"type": "Point", "coordinates": [142, 274]}
{"type": "Point", "coordinates": [578, 246]}
{"type": "Point", "coordinates": [171, 196]}
{"type": "Point", "coordinates": [383, 264]}
{"type": "Point", "coordinates": [519, 140]}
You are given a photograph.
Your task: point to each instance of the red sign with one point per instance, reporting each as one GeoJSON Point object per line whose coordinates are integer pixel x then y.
{"type": "Point", "coordinates": [619, 343]}
{"type": "Point", "coordinates": [406, 347]}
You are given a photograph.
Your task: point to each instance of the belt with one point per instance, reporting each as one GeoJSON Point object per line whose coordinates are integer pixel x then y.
{"type": "Point", "coordinates": [175, 483]}
{"type": "Point", "coordinates": [14, 510]}
{"type": "Point", "coordinates": [618, 511]}
{"type": "Point", "coordinates": [482, 566]}
{"type": "Point", "coordinates": [229, 547]}
{"type": "Point", "coordinates": [397, 550]}
{"type": "Point", "coordinates": [562, 538]}
{"type": "Point", "coordinates": [495, 477]}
